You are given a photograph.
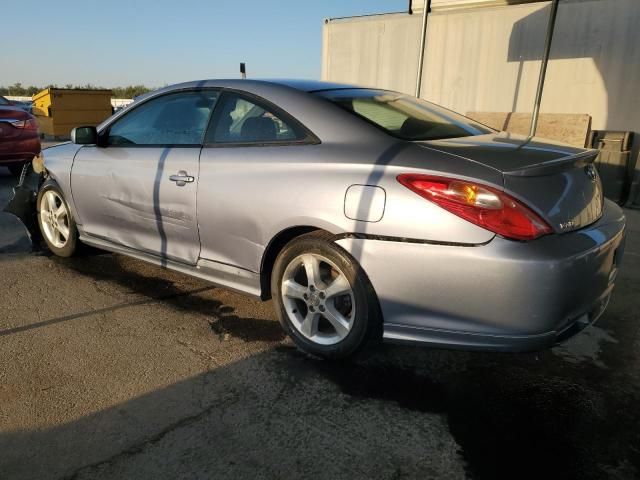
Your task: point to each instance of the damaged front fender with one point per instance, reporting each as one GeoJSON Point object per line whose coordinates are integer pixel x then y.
{"type": "Point", "coordinates": [37, 164]}
{"type": "Point", "coordinates": [23, 202]}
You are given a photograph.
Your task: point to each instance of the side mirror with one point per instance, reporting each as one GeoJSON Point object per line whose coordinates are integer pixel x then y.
{"type": "Point", "coordinates": [84, 136]}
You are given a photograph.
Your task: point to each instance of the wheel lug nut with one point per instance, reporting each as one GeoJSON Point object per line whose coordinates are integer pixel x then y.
{"type": "Point", "coordinates": [322, 308]}
{"type": "Point", "coordinates": [305, 296]}
{"type": "Point", "coordinates": [322, 295]}
{"type": "Point", "coordinates": [311, 309]}
{"type": "Point", "coordinates": [312, 288]}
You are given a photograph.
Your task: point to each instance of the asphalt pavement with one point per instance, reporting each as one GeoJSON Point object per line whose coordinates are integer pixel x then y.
{"type": "Point", "coordinates": [113, 369]}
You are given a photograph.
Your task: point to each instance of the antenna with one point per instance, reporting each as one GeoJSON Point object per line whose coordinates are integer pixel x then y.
{"type": "Point", "coordinates": [243, 70]}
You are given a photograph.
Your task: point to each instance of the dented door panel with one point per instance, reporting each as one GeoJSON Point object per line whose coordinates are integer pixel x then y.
{"type": "Point", "coordinates": [125, 195]}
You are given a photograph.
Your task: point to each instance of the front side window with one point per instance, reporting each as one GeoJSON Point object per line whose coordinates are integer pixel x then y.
{"type": "Point", "coordinates": [240, 120]}
{"type": "Point", "coordinates": [403, 116]}
{"type": "Point", "coordinates": [173, 119]}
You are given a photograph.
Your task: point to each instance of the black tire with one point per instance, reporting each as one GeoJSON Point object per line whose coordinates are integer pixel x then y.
{"type": "Point", "coordinates": [365, 323]}
{"type": "Point", "coordinates": [71, 244]}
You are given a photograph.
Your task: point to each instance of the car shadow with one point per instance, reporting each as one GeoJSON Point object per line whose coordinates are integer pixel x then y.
{"type": "Point", "coordinates": [392, 415]}
{"type": "Point", "coordinates": [158, 284]}
{"type": "Point", "coordinates": [158, 182]}
{"type": "Point", "coordinates": [395, 412]}
{"type": "Point", "coordinates": [365, 204]}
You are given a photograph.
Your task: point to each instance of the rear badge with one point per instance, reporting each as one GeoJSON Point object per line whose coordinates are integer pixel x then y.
{"type": "Point", "coordinates": [567, 225]}
{"type": "Point", "coordinates": [590, 170]}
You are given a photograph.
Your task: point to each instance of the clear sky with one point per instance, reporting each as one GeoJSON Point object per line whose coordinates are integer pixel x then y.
{"type": "Point", "coordinates": [158, 42]}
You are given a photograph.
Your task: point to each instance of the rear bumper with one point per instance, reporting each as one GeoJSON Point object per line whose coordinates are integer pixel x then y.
{"type": "Point", "coordinates": [504, 295]}
{"type": "Point", "coordinates": [20, 150]}
{"type": "Point", "coordinates": [504, 343]}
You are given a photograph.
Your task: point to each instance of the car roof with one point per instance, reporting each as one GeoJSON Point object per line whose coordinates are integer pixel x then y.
{"type": "Point", "coordinates": [300, 85]}
{"type": "Point", "coordinates": [310, 85]}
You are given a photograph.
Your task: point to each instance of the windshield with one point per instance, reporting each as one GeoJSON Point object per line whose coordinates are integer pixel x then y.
{"type": "Point", "coordinates": [403, 116]}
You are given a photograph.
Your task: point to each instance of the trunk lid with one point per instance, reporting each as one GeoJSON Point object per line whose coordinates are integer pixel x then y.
{"type": "Point", "coordinates": [557, 181]}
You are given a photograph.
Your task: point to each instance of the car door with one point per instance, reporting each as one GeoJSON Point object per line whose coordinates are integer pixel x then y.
{"type": "Point", "coordinates": [139, 188]}
{"type": "Point", "coordinates": [248, 152]}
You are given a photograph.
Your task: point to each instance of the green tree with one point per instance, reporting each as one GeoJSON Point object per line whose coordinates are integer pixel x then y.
{"type": "Point", "coordinates": [16, 90]}
{"type": "Point", "coordinates": [130, 91]}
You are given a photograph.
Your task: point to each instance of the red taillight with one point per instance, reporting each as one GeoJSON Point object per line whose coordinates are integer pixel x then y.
{"type": "Point", "coordinates": [484, 206]}
{"type": "Point", "coordinates": [28, 124]}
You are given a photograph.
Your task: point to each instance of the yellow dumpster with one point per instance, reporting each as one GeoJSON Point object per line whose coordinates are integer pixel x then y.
{"type": "Point", "coordinates": [58, 110]}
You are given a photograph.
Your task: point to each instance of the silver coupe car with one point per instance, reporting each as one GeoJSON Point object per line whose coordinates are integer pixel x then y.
{"type": "Point", "coordinates": [363, 213]}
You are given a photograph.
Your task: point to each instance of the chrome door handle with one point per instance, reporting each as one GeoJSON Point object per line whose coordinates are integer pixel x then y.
{"type": "Point", "coordinates": [181, 178]}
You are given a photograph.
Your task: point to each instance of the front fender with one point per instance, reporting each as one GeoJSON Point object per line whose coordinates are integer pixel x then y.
{"type": "Point", "coordinates": [58, 164]}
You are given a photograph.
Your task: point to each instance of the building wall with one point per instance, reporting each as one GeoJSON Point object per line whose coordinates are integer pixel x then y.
{"type": "Point", "coordinates": [488, 58]}
{"type": "Point", "coordinates": [418, 5]}
{"type": "Point", "coordinates": [379, 50]}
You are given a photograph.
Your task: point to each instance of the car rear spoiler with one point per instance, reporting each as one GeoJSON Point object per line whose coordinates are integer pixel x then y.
{"type": "Point", "coordinates": [554, 166]}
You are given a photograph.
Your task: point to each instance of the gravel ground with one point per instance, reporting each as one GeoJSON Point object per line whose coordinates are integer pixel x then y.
{"type": "Point", "coordinates": [112, 368]}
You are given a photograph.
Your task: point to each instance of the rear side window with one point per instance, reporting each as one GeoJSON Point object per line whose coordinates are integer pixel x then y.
{"type": "Point", "coordinates": [403, 116]}
{"type": "Point", "coordinates": [172, 119]}
{"type": "Point", "coordinates": [243, 120]}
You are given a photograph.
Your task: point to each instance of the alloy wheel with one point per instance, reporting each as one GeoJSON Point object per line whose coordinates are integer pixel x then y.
{"type": "Point", "coordinates": [54, 219]}
{"type": "Point", "coordinates": [318, 299]}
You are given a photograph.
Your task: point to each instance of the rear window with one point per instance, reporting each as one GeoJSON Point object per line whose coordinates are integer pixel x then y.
{"type": "Point", "coordinates": [403, 116]}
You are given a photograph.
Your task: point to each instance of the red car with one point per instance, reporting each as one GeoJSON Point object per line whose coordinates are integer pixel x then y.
{"type": "Point", "coordinates": [19, 139]}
